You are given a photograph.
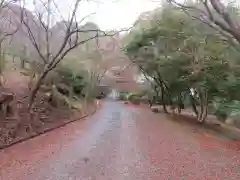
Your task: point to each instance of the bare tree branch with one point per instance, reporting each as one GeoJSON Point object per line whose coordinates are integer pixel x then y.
{"type": "Point", "coordinates": [68, 33]}
{"type": "Point", "coordinates": [33, 39]}
{"type": "Point", "coordinates": [69, 42]}
{"type": "Point", "coordinates": [223, 23]}
{"type": "Point", "coordinates": [47, 29]}
{"type": "Point", "coordinates": [30, 33]}
{"type": "Point", "coordinates": [64, 53]}
{"type": "Point", "coordinates": [3, 7]}
{"type": "Point", "coordinates": [225, 34]}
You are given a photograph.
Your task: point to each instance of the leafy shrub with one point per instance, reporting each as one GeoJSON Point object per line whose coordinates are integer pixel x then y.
{"type": "Point", "coordinates": [219, 109]}
{"type": "Point", "coordinates": [221, 114]}
{"type": "Point", "coordinates": [78, 85]}
{"type": "Point", "coordinates": [74, 81]}
{"type": "Point", "coordinates": [144, 99]}
{"type": "Point", "coordinates": [122, 96]}
{"type": "Point", "coordinates": [134, 98]}
{"type": "Point", "coordinates": [223, 109]}
{"type": "Point", "coordinates": [135, 101]}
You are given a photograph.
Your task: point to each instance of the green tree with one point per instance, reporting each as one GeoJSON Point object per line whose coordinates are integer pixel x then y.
{"type": "Point", "coordinates": [181, 54]}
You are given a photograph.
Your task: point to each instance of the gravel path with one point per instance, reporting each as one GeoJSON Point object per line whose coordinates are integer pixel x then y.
{"type": "Point", "coordinates": [122, 142]}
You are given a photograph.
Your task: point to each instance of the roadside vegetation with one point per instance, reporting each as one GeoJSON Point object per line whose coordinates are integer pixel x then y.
{"type": "Point", "coordinates": [190, 63]}
{"type": "Point", "coordinates": [50, 72]}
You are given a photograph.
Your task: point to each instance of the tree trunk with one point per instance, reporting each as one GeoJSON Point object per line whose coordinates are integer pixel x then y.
{"type": "Point", "coordinates": [156, 96]}
{"type": "Point", "coordinates": [163, 100]}
{"type": "Point", "coordinates": [205, 113]}
{"type": "Point", "coordinates": [36, 88]}
{"type": "Point", "coordinates": [160, 83]}
{"type": "Point", "coordinates": [179, 110]}
{"type": "Point", "coordinates": [202, 115]}
{"type": "Point", "coordinates": [165, 88]}
{"type": "Point", "coordinates": [194, 107]}
{"type": "Point", "coordinates": [180, 103]}
{"type": "Point", "coordinates": [150, 103]}
{"type": "Point", "coordinates": [22, 66]}
{"type": "Point", "coordinates": [205, 108]}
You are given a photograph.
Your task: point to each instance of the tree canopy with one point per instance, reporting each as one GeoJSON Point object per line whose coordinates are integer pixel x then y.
{"type": "Point", "coordinates": [185, 59]}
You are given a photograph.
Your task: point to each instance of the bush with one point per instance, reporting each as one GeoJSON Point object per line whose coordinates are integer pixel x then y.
{"type": "Point", "coordinates": [221, 115]}
{"type": "Point", "coordinates": [135, 101]}
{"type": "Point", "coordinates": [122, 96]}
{"type": "Point", "coordinates": [222, 109]}
{"type": "Point", "coordinates": [73, 81]}
{"type": "Point", "coordinates": [144, 99]}
{"type": "Point", "coordinates": [78, 85]}
{"type": "Point", "coordinates": [134, 98]}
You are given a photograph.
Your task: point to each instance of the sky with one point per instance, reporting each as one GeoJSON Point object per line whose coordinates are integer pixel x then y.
{"type": "Point", "coordinates": [109, 14]}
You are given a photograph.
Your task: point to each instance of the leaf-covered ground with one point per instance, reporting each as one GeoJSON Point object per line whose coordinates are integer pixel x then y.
{"type": "Point", "coordinates": [15, 126]}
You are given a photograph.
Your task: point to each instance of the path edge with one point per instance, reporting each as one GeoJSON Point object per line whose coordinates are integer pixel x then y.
{"type": "Point", "coordinates": [97, 106]}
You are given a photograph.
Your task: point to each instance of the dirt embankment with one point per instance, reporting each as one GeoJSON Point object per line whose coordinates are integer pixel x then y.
{"type": "Point", "coordinates": [15, 127]}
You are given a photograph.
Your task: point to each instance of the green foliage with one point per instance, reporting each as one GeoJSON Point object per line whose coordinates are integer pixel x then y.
{"type": "Point", "coordinates": [122, 96]}
{"type": "Point", "coordinates": [2, 62]}
{"type": "Point", "coordinates": [180, 53]}
{"type": "Point", "coordinates": [74, 81]}
{"type": "Point", "coordinates": [134, 98]}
